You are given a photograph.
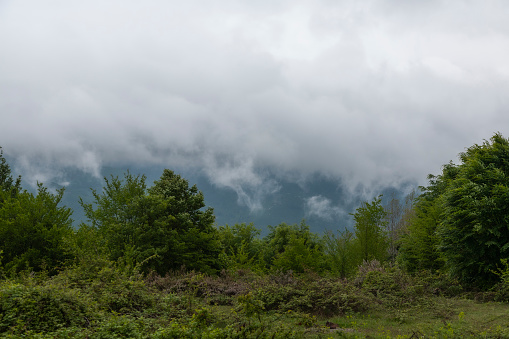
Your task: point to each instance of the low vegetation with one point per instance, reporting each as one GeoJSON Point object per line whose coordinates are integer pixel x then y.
{"type": "Point", "coordinates": [150, 263]}
{"type": "Point", "coordinates": [105, 301]}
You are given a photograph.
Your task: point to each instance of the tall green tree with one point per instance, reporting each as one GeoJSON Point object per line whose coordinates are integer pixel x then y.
{"type": "Point", "coordinates": [33, 230]}
{"type": "Point", "coordinates": [161, 228]}
{"type": "Point", "coordinates": [115, 213]}
{"type": "Point", "coordinates": [370, 230]}
{"type": "Point", "coordinates": [474, 232]}
{"type": "Point", "coordinates": [181, 214]}
{"type": "Point", "coordinates": [419, 242]}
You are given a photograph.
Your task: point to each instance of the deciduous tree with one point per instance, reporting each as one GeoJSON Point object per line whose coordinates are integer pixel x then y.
{"type": "Point", "coordinates": [370, 224]}
{"type": "Point", "coordinates": [474, 232]}
{"type": "Point", "coordinates": [161, 228]}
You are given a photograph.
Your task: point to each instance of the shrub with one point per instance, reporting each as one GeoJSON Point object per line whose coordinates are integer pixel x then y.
{"type": "Point", "coordinates": [219, 290]}
{"type": "Point", "coordinates": [41, 308]}
{"type": "Point", "coordinates": [322, 296]}
{"type": "Point", "coordinates": [109, 287]}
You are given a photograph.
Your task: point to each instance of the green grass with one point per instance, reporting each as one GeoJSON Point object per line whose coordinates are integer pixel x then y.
{"type": "Point", "coordinates": [437, 318]}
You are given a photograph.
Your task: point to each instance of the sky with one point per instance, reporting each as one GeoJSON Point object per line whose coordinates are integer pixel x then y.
{"type": "Point", "coordinates": [375, 93]}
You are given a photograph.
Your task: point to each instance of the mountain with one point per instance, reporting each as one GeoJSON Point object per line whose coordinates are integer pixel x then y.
{"type": "Point", "coordinates": [324, 203]}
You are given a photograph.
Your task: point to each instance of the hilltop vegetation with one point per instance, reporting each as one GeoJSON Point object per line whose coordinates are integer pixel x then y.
{"type": "Point", "coordinates": [150, 262]}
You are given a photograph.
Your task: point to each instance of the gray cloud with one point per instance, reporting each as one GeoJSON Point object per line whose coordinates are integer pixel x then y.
{"type": "Point", "coordinates": [375, 92]}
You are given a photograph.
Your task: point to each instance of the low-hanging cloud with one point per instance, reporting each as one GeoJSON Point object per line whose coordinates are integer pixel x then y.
{"type": "Point", "coordinates": [377, 92]}
{"type": "Point", "coordinates": [322, 207]}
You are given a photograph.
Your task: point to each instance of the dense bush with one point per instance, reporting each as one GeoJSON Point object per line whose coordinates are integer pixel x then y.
{"type": "Point", "coordinates": [42, 308]}
{"type": "Point", "coordinates": [321, 296]}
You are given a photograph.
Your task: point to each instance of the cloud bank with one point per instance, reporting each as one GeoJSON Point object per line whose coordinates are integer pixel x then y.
{"type": "Point", "coordinates": [376, 93]}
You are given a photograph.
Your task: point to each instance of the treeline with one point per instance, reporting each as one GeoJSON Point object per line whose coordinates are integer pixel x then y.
{"type": "Point", "coordinates": [457, 225]}
{"type": "Point", "coordinates": [166, 227]}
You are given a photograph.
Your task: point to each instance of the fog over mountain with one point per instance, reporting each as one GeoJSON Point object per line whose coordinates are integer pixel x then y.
{"type": "Point", "coordinates": [252, 96]}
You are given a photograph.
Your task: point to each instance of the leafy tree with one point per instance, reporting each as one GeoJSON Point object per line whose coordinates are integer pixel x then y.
{"type": "Point", "coordinates": [370, 224]}
{"type": "Point", "coordinates": [419, 243]}
{"type": "Point", "coordinates": [340, 253]}
{"type": "Point", "coordinates": [181, 211]}
{"type": "Point", "coordinates": [241, 246]}
{"type": "Point", "coordinates": [114, 214]}
{"type": "Point", "coordinates": [161, 228]}
{"type": "Point", "coordinates": [33, 230]}
{"type": "Point", "coordinates": [293, 247]}
{"type": "Point", "coordinates": [474, 229]}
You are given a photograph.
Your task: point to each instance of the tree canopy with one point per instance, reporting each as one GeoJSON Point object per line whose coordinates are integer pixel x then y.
{"type": "Point", "coordinates": [370, 222]}
{"type": "Point", "coordinates": [462, 216]}
{"type": "Point", "coordinates": [33, 228]}
{"type": "Point", "coordinates": [161, 228]}
{"type": "Point", "coordinates": [474, 233]}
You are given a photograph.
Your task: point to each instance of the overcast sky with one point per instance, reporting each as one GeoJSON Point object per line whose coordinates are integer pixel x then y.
{"type": "Point", "coordinates": [373, 92]}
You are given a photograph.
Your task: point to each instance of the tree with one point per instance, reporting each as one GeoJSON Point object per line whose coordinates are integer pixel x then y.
{"type": "Point", "coordinates": [419, 242]}
{"type": "Point", "coordinates": [370, 224]}
{"type": "Point", "coordinates": [474, 230]}
{"type": "Point", "coordinates": [241, 246]}
{"type": "Point", "coordinates": [340, 253]}
{"type": "Point", "coordinates": [33, 230]}
{"type": "Point", "coordinates": [293, 247]}
{"type": "Point", "coordinates": [418, 246]}
{"type": "Point", "coordinates": [115, 212]}
{"type": "Point", "coordinates": [161, 228]}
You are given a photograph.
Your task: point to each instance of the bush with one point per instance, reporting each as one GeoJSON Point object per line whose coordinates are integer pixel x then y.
{"type": "Point", "coordinates": [322, 296]}
{"type": "Point", "coordinates": [439, 283]}
{"type": "Point", "coordinates": [219, 290]}
{"type": "Point", "coordinates": [110, 288]}
{"type": "Point", "coordinates": [41, 308]}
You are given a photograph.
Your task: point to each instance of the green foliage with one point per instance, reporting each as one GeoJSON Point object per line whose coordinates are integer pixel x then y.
{"type": "Point", "coordinates": [293, 247]}
{"type": "Point", "coordinates": [119, 327]}
{"type": "Point", "coordinates": [241, 247]}
{"type": "Point", "coordinates": [319, 296]}
{"type": "Point", "coordinates": [391, 285]}
{"type": "Point", "coordinates": [419, 244]}
{"type": "Point", "coordinates": [108, 286]}
{"type": "Point", "coordinates": [474, 233]}
{"type": "Point", "coordinates": [340, 253]}
{"type": "Point", "coordinates": [116, 204]}
{"type": "Point", "coordinates": [33, 230]}
{"type": "Point", "coordinates": [161, 228]}
{"type": "Point", "coordinates": [40, 308]}
{"type": "Point", "coordinates": [250, 306]}
{"type": "Point", "coordinates": [439, 283]}
{"type": "Point", "coordinates": [102, 301]}
{"type": "Point", "coordinates": [461, 220]}
{"type": "Point", "coordinates": [370, 231]}
{"type": "Point", "coordinates": [419, 248]}
{"type": "Point", "coordinates": [501, 289]}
